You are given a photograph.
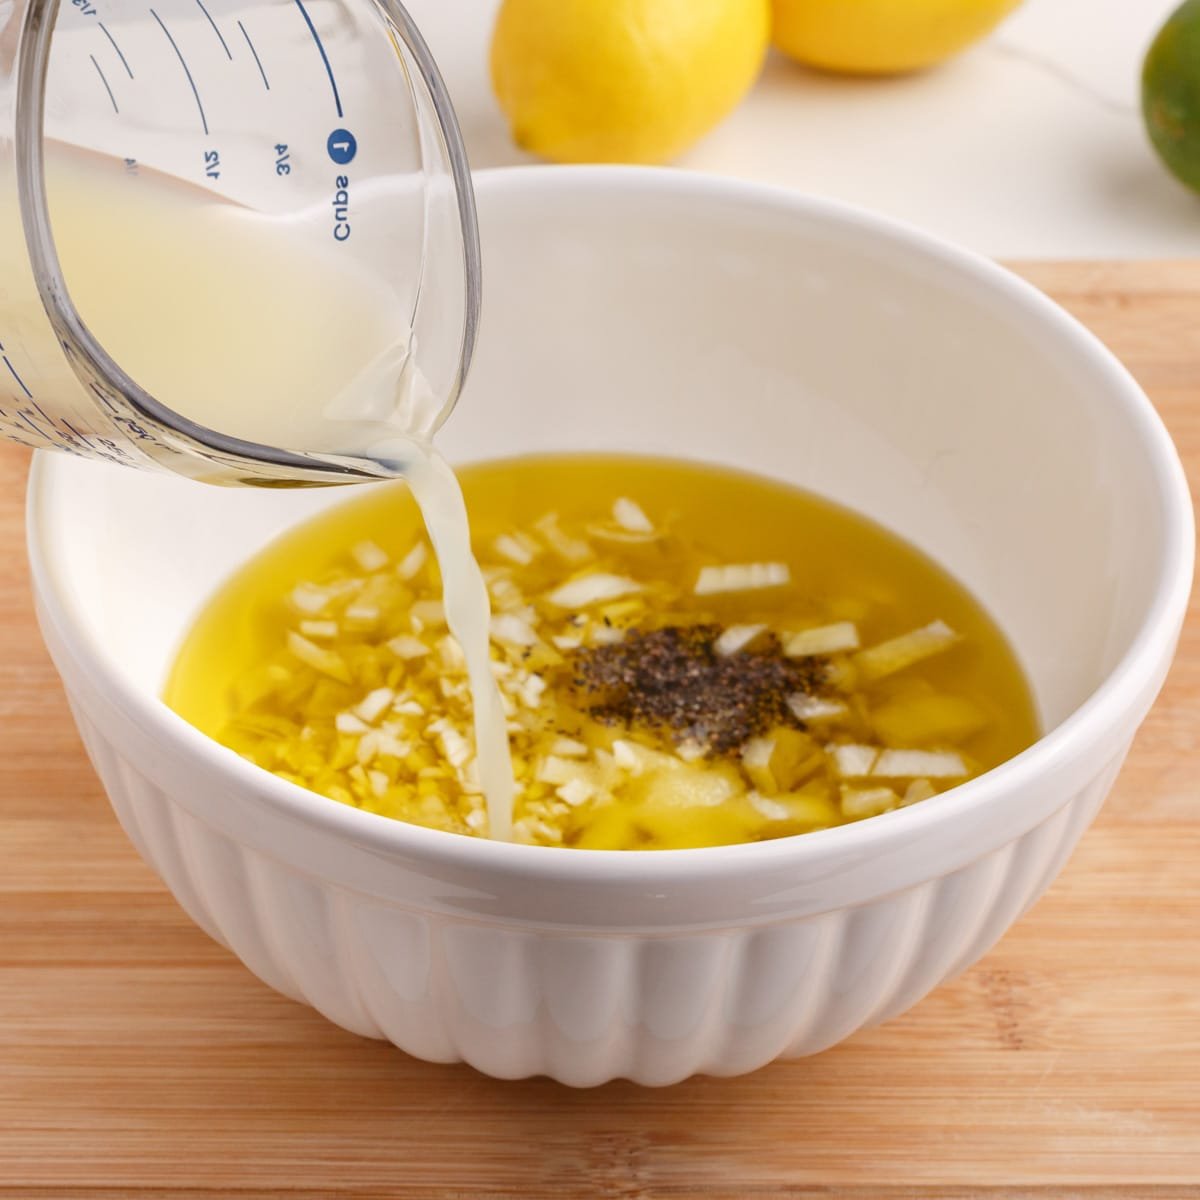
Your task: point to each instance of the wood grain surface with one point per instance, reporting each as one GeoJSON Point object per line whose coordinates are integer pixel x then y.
{"type": "Point", "coordinates": [138, 1059]}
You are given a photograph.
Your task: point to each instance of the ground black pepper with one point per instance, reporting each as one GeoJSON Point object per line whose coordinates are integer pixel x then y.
{"type": "Point", "coordinates": [673, 681]}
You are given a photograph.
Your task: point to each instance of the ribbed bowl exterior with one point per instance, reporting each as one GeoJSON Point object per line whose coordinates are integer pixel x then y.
{"type": "Point", "coordinates": [589, 1006]}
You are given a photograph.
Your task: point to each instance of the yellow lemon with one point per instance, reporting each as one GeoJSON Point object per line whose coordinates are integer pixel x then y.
{"type": "Point", "coordinates": [882, 37]}
{"type": "Point", "coordinates": [623, 80]}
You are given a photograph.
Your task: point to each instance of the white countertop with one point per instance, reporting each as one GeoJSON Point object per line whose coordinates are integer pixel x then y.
{"type": "Point", "coordinates": [1030, 145]}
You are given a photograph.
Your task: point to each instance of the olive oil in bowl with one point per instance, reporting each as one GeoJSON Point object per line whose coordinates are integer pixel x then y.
{"type": "Point", "coordinates": [686, 656]}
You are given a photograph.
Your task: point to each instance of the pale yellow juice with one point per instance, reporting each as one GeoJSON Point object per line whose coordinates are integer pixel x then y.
{"type": "Point", "coordinates": [256, 325]}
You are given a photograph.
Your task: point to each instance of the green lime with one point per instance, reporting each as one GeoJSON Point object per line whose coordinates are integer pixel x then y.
{"type": "Point", "coordinates": [1171, 93]}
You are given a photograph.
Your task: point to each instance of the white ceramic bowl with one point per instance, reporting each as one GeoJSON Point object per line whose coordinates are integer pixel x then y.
{"type": "Point", "coordinates": [664, 312]}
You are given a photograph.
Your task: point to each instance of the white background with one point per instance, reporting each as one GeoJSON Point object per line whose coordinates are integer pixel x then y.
{"type": "Point", "coordinates": [1029, 145]}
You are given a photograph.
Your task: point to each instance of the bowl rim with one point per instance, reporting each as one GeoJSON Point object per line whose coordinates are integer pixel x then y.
{"type": "Point", "coordinates": [1092, 722]}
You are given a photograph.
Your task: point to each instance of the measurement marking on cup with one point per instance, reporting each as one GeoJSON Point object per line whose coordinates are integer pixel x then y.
{"type": "Point", "coordinates": [257, 60]}
{"type": "Point", "coordinates": [103, 397]}
{"type": "Point", "coordinates": [337, 100]}
{"type": "Point", "coordinates": [183, 64]}
{"type": "Point", "coordinates": [74, 431]}
{"type": "Point", "coordinates": [100, 72]}
{"type": "Point", "coordinates": [23, 416]}
{"type": "Point", "coordinates": [220, 37]}
{"type": "Point", "coordinates": [113, 40]}
{"type": "Point", "coordinates": [13, 372]}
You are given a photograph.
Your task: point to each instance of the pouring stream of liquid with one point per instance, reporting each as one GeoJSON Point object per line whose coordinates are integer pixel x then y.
{"type": "Point", "coordinates": [439, 497]}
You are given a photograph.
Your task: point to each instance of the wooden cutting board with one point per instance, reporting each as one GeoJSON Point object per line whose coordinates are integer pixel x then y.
{"type": "Point", "coordinates": [138, 1059]}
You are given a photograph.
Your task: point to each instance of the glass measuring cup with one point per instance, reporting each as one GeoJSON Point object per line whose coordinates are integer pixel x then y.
{"type": "Point", "coordinates": [237, 237]}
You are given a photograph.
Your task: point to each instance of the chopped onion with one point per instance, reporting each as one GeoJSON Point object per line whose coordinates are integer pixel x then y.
{"type": "Point", "coordinates": [468, 776]}
{"type": "Point", "coordinates": [347, 722]}
{"type": "Point", "coordinates": [328, 662]}
{"type": "Point", "coordinates": [905, 650]}
{"type": "Point", "coordinates": [757, 752]}
{"type": "Point", "coordinates": [868, 802]}
{"type": "Point", "coordinates": [576, 791]}
{"type": "Point", "coordinates": [626, 756]}
{"type": "Point", "coordinates": [771, 809]}
{"type": "Point", "coordinates": [908, 764]}
{"type": "Point", "coordinates": [369, 556]}
{"type": "Point", "coordinates": [569, 548]}
{"type": "Point", "coordinates": [508, 627]}
{"type": "Point", "coordinates": [413, 561]}
{"type": "Point", "coordinates": [375, 704]}
{"type": "Point", "coordinates": [592, 589]}
{"type": "Point", "coordinates": [569, 748]}
{"type": "Point", "coordinates": [362, 614]}
{"type": "Point", "coordinates": [735, 638]}
{"type": "Point", "coordinates": [556, 770]}
{"type": "Point", "coordinates": [531, 689]}
{"type": "Point", "coordinates": [853, 761]}
{"type": "Point", "coordinates": [629, 515]}
{"type": "Point", "coordinates": [455, 747]}
{"type": "Point", "coordinates": [610, 531]}
{"type": "Point", "coordinates": [918, 790]}
{"type": "Point", "coordinates": [605, 635]}
{"type": "Point", "coordinates": [505, 594]}
{"type": "Point", "coordinates": [741, 577]}
{"type": "Point", "coordinates": [406, 646]}
{"type": "Point", "coordinates": [815, 708]}
{"type": "Point", "coordinates": [310, 599]}
{"type": "Point", "coordinates": [514, 549]}
{"type": "Point", "coordinates": [451, 653]}
{"type": "Point", "coordinates": [389, 744]}
{"type": "Point", "coordinates": [319, 629]}
{"type": "Point", "coordinates": [367, 748]}
{"type": "Point", "coordinates": [825, 639]}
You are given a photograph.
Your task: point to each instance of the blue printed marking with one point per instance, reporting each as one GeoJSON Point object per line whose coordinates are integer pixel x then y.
{"type": "Point", "coordinates": [67, 424]}
{"type": "Point", "coordinates": [13, 372]}
{"type": "Point", "coordinates": [220, 38]}
{"type": "Point", "coordinates": [113, 40]}
{"type": "Point", "coordinates": [21, 416]}
{"type": "Point", "coordinates": [100, 72]}
{"type": "Point", "coordinates": [342, 146]}
{"type": "Point", "coordinates": [103, 397]}
{"type": "Point", "coordinates": [42, 412]}
{"type": "Point", "coordinates": [337, 100]}
{"type": "Point", "coordinates": [183, 64]}
{"type": "Point", "coordinates": [257, 60]}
